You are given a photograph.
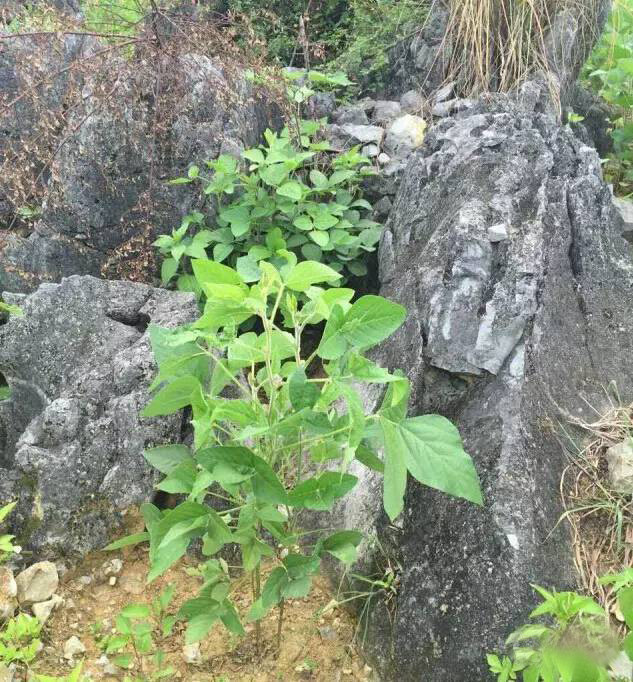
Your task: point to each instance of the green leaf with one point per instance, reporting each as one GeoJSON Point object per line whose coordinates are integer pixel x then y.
{"type": "Point", "coordinates": [168, 269]}
{"type": "Point", "coordinates": [320, 492]}
{"type": "Point", "coordinates": [254, 155]}
{"type": "Point", "coordinates": [434, 455]}
{"type": "Point", "coordinates": [127, 541]}
{"type": "Point", "coordinates": [303, 222]}
{"type": "Point", "coordinates": [173, 397]}
{"type": "Point", "coordinates": [136, 611]}
{"type": "Point", "coordinates": [303, 275]}
{"type": "Point", "coordinates": [248, 269]}
{"type": "Point", "coordinates": [395, 468]}
{"type": "Point", "coordinates": [222, 252]}
{"type": "Point", "coordinates": [625, 602]}
{"type": "Point", "coordinates": [372, 319]}
{"type": "Point", "coordinates": [318, 179]}
{"type": "Point", "coordinates": [302, 393]}
{"type": "Point", "coordinates": [166, 458]}
{"type": "Point", "coordinates": [291, 189]}
{"type": "Point", "coordinates": [320, 238]}
{"type": "Point", "coordinates": [343, 545]}
{"type": "Point", "coordinates": [210, 272]}
{"type": "Point", "coordinates": [369, 458]}
{"type": "Point", "coordinates": [333, 343]}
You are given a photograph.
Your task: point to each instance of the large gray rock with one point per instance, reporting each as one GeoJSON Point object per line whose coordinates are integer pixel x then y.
{"type": "Point", "coordinates": [509, 332]}
{"type": "Point", "coordinates": [71, 438]}
{"type": "Point", "coordinates": [134, 124]}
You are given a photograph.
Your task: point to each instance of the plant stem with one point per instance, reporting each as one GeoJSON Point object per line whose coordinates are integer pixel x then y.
{"type": "Point", "coordinates": [280, 622]}
{"type": "Point", "coordinates": [258, 590]}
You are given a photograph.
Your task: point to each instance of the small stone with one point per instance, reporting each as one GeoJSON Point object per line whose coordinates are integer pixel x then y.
{"type": "Point", "coordinates": [620, 461]}
{"type": "Point", "coordinates": [405, 134]}
{"type": "Point", "coordinates": [385, 112]}
{"type": "Point", "coordinates": [112, 567]}
{"type": "Point", "coordinates": [347, 671]}
{"type": "Point", "coordinates": [383, 158]}
{"type": "Point", "coordinates": [108, 667]}
{"type": "Point", "coordinates": [132, 585]}
{"type": "Point", "coordinates": [451, 106]}
{"type": "Point", "coordinates": [37, 583]}
{"type": "Point", "coordinates": [371, 151]}
{"type": "Point", "coordinates": [497, 233]}
{"type": "Point", "coordinates": [444, 92]}
{"type": "Point", "coordinates": [85, 580]}
{"type": "Point", "coordinates": [8, 593]}
{"type": "Point", "coordinates": [73, 647]}
{"type": "Point", "coordinates": [191, 654]}
{"type": "Point", "coordinates": [412, 102]}
{"type": "Point", "coordinates": [43, 610]}
{"type": "Point", "coordinates": [382, 207]}
{"type": "Point", "coordinates": [350, 114]}
{"type": "Point", "coordinates": [364, 133]}
{"type": "Point", "coordinates": [327, 632]}
{"type": "Point", "coordinates": [112, 580]}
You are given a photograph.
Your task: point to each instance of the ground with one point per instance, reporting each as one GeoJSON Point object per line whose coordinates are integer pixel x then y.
{"type": "Point", "coordinates": [315, 646]}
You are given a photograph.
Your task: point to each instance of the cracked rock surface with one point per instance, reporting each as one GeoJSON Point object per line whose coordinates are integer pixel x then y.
{"type": "Point", "coordinates": [79, 363]}
{"type": "Point", "coordinates": [511, 333]}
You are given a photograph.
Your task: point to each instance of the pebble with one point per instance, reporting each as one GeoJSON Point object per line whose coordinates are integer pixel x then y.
{"type": "Point", "coordinates": [112, 580]}
{"type": "Point", "coordinates": [37, 583]}
{"type": "Point", "coordinates": [412, 102]}
{"type": "Point", "coordinates": [191, 654]}
{"type": "Point", "coordinates": [42, 610]}
{"type": "Point", "coordinates": [112, 567]}
{"type": "Point", "coordinates": [8, 593]}
{"type": "Point", "coordinates": [73, 647]}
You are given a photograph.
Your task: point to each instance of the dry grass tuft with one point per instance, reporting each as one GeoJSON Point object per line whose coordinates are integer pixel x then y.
{"type": "Point", "coordinates": [494, 45]}
{"type": "Point", "coordinates": [601, 519]}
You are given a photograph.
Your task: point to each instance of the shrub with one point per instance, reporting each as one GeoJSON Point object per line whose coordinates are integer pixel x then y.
{"type": "Point", "coordinates": [272, 443]}
{"type": "Point", "coordinates": [290, 200]}
{"type": "Point", "coordinates": [609, 72]}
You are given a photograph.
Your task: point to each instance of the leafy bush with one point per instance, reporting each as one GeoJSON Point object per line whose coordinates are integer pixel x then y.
{"type": "Point", "coordinates": [122, 17]}
{"type": "Point", "coordinates": [7, 548]}
{"type": "Point", "coordinates": [375, 27]}
{"type": "Point", "coordinates": [134, 639]}
{"type": "Point", "coordinates": [271, 441]}
{"type": "Point", "coordinates": [576, 645]}
{"type": "Point", "coordinates": [289, 201]}
{"type": "Point", "coordinates": [609, 71]}
{"type": "Point", "coordinates": [19, 639]}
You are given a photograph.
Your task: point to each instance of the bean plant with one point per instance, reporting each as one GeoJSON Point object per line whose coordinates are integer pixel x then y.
{"type": "Point", "coordinates": [571, 640]}
{"type": "Point", "coordinates": [277, 431]}
{"type": "Point", "coordinates": [290, 198]}
{"type": "Point", "coordinates": [609, 71]}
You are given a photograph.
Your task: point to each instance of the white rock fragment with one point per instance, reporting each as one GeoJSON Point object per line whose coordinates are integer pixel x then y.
{"type": "Point", "coordinates": [112, 567]}
{"type": "Point", "coordinates": [8, 593]}
{"type": "Point", "coordinates": [37, 583]}
{"type": "Point", "coordinates": [497, 233]}
{"type": "Point", "coordinates": [42, 610]}
{"type": "Point", "coordinates": [73, 647]}
{"type": "Point", "coordinates": [405, 134]}
{"type": "Point", "coordinates": [620, 462]}
{"type": "Point", "coordinates": [191, 653]}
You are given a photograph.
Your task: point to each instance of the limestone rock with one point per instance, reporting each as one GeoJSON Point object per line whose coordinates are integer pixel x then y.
{"type": "Point", "coordinates": [385, 111]}
{"type": "Point", "coordinates": [42, 611]}
{"type": "Point", "coordinates": [37, 583]}
{"type": "Point", "coordinates": [73, 647]}
{"type": "Point", "coordinates": [191, 654]}
{"type": "Point", "coordinates": [8, 593]}
{"type": "Point", "coordinates": [405, 134]}
{"type": "Point", "coordinates": [505, 338]}
{"type": "Point", "coordinates": [106, 198]}
{"type": "Point", "coordinates": [620, 462]}
{"type": "Point", "coordinates": [353, 115]}
{"type": "Point", "coordinates": [625, 209]}
{"type": "Point", "coordinates": [79, 364]}
{"type": "Point", "coordinates": [412, 102]}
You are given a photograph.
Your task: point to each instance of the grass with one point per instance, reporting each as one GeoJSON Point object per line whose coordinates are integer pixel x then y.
{"type": "Point", "coordinates": [601, 518]}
